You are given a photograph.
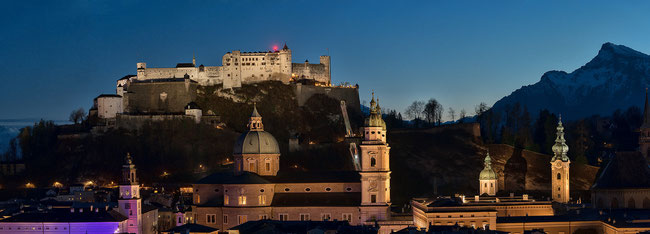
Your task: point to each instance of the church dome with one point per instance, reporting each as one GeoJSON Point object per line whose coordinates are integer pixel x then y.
{"type": "Point", "coordinates": [256, 142]}
{"type": "Point", "coordinates": [487, 174]}
{"type": "Point", "coordinates": [375, 119]}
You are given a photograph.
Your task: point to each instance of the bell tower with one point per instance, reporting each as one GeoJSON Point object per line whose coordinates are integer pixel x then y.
{"type": "Point", "coordinates": [129, 203]}
{"type": "Point", "coordinates": [375, 168]}
{"type": "Point", "coordinates": [560, 167]}
{"type": "Point", "coordinates": [488, 178]}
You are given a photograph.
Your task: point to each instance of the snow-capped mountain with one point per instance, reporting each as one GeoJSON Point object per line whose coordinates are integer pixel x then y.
{"type": "Point", "coordinates": [615, 79]}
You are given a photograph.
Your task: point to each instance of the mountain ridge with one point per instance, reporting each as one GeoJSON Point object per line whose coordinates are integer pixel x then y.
{"type": "Point", "coordinates": [613, 79]}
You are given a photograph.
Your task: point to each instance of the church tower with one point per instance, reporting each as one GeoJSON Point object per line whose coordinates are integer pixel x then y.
{"type": "Point", "coordinates": [644, 130]}
{"type": "Point", "coordinates": [488, 178]}
{"type": "Point", "coordinates": [560, 167]}
{"type": "Point", "coordinates": [129, 203]}
{"type": "Point", "coordinates": [375, 167]}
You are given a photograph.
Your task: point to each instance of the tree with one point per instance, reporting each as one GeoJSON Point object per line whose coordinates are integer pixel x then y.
{"type": "Point", "coordinates": [462, 115]}
{"type": "Point", "coordinates": [480, 109]}
{"type": "Point", "coordinates": [452, 114]}
{"type": "Point", "coordinates": [77, 116]}
{"type": "Point", "coordinates": [415, 111]}
{"type": "Point", "coordinates": [439, 111]}
{"type": "Point", "coordinates": [430, 110]}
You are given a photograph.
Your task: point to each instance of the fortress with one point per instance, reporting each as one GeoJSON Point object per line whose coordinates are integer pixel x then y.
{"type": "Point", "coordinates": [243, 68]}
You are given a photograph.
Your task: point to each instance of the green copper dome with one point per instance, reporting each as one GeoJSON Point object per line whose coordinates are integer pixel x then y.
{"type": "Point", "coordinates": [256, 140]}
{"type": "Point", "coordinates": [375, 119]}
{"type": "Point", "coordinates": [487, 173]}
{"type": "Point", "coordinates": [560, 148]}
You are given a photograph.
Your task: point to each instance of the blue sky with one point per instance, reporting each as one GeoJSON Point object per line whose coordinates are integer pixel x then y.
{"type": "Point", "coordinates": [56, 56]}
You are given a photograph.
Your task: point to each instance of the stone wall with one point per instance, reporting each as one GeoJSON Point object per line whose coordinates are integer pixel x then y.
{"type": "Point", "coordinates": [159, 96]}
{"type": "Point", "coordinates": [350, 95]}
{"type": "Point", "coordinates": [136, 121]}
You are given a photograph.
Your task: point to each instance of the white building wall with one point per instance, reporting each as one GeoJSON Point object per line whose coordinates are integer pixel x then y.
{"type": "Point", "coordinates": [108, 107]}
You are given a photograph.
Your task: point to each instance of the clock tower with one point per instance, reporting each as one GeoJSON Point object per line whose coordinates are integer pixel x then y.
{"type": "Point", "coordinates": [375, 168]}
{"type": "Point", "coordinates": [129, 203]}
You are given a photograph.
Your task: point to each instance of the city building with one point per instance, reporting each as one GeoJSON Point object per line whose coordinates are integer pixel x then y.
{"type": "Point", "coordinates": [488, 179]}
{"type": "Point", "coordinates": [257, 189]}
{"type": "Point", "coordinates": [560, 167]}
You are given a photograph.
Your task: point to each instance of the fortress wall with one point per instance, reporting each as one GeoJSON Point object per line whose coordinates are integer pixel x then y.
{"type": "Point", "coordinates": [136, 121]}
{"type": "Point", "coordinates": [350, 95]}
{"type": "Point", "coordinates": [145, 97]}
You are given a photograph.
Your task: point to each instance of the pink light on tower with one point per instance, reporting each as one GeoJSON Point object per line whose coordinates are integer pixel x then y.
{"type": "Point", "coordinates": [275, 48]}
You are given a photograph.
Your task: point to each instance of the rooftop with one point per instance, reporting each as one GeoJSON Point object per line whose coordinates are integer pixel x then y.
{"type": "Point", "coordinates": [192, 228]}
{"type": "Point", "coordinates": [624, 170]}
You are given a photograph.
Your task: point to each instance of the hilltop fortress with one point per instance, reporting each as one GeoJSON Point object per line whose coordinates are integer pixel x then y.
{"type": "Point", "coordinates": [239, 68]}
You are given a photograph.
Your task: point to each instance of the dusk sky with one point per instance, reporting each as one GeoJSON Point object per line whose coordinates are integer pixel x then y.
{"type": "Point", "coordinates": [56, 56]}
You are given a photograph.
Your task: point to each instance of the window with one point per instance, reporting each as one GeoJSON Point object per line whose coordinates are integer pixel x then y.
{"type": "Point", "coordinates": [326, 216]}
{"type": "Point", "coordinates": [348, 189]}
{"type": "Point", "coordinates": [211, 218]}
{"type": "Point", "coordinates": [485, 185]}
{"type": "Point", "coordinates": [287, 189]}
{"type": "Point", "coordinates": [242, 200]}
{"type": "Point", "coordinates": [491, 185]}
{"type": "Point", "coordinates": [328, 189]}
{"type": "Point", "coordinates": [268, 166]}
{"type": "Point", "coordinates": [307, 189]}
{"type": "Point", "coordinates": [226, 200]}
{"type": "Point", "coordinates": [304, 217]}
{"type": "Point", "coordinates": [225, 219]}
{"type": "Point", "coordinates": [127, 206]}
{"type": "Point", "coordinates": [251, 166]}
{"type": "Point", "coordinates": [242, 219]}
{"type": "Point", "coordinates": [559, 176]}
{"type": "Point", "coordinates": [373, 198]}
{"type": "Point", "coordinates": [347, 217]}
{"type": "Point", "coordinates": [284, 217]}
{"type": "Point", "coordinates": [373, 162]}
{"type": "Point", "coordinates": [262, 199]}
{"type": "Point", "coordinates": [263, 217]}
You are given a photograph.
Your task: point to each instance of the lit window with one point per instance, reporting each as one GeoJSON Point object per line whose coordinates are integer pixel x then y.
{"type": "Point", "coordinates": [225, 219]}
{"type": "Point", "coordinates": [262, 199]}
{"type": "Point", "coordinates": [242, 200]}
{"type": "Point", "coordinates": [326, 216]}
{"type": "Point", "coordinates": [347, 217]}
{"type": "Point", "coordinates": [304, 217]}
{"type": "Point", "coordinates": [284, 217]}
{"type": "Point", "coordinates": [211, 218]}
{"type": "Point", "coordinates": [242, 219]}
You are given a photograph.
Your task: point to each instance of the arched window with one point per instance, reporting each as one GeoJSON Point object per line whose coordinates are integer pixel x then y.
{"type": "Point", "coordinates": [614, 203]}
{"type": "Point", "coordinates": [559, 176]}
{"type": "Point", "coordinates": [373, 162]}
{"type": "Point", "coordinates": [631, 204]}
{"type": "Point", "coordinates": [491, 185]}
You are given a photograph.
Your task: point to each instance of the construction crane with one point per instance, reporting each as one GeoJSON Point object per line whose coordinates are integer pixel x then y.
{"type": "Point", "coordinates": [354, 151]}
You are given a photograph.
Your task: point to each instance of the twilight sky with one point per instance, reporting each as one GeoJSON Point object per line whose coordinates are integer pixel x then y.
{"type": "Point", "coordinates": [56, 56]}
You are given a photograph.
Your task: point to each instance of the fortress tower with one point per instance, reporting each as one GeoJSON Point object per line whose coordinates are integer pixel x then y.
{"type": "Point", "coordinates": [488, 178]}
{"type": "Point", "coordinates": [375, 168]}
{"type": "Point", "coordinates": [129, 203]}
{"type": "Point", "coordinates": [644, 130]}
{"type": "Point", "coordinates": [560, 167]}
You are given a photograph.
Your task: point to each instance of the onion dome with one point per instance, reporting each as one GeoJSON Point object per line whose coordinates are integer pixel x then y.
{"type": "Point", "coordinates": [375, 119]}
{"type": "Point", "coordinates": [560, 148]}
{"type": "Point", "coordinates": [487, 173]}
{"type": "Point", "coordinates": [256, 140]}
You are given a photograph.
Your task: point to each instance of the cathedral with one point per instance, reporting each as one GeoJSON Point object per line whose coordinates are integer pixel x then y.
{"type": "Point", "coordinates": [256, 188]}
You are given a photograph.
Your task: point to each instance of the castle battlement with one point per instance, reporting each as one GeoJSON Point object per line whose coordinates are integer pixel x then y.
{"type": "Point", "coordinates": [239, 68]}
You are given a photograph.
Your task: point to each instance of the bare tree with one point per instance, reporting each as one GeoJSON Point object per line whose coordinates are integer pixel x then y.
{"type": "Point", "coordinates": [480, 109]}
{"type": "Point", "coordinates": [77, 116]}
{"type": "Point", "coordinates": [430, 110]}
{"type": "Point", "coordinates": [462, 114]}
{"type": "Point", "coordinates": [452, 114]}
{"type": "Point", "coordinates": [415, 111]}
{"type": "Point", "coordinates": [439, 112]}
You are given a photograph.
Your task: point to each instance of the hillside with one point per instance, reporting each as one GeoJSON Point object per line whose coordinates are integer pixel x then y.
{"type": "Point", "coordinates": [614, 79]}
{"type": "Point", "coordinates": [453, 158]}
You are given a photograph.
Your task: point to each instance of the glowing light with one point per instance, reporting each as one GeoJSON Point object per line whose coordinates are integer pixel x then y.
{"type": "Point", "coordinates": [89, 183]}
{"type": "Point", "coordinates": [30, 185]}
{"type": "Point", "coordinates": [275, 48]}
{"type": "Point", "coordinates": [57, 185]}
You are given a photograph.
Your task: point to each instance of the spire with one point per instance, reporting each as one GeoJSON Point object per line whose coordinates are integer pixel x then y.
{"type": "Point", "coordinates": [373, 104]}
{"type": "Point", "coordinates": [194, 59]}
{"type": "Point", "coordinates": [487, 173]}
{"type": "Point", "coordinates": [646, 112]}
{"type": "Point", "coordinates": [285, 46]}
{"type": "Point", "coordinates": [560, 148]}
{"type": "Point", "coordinates": [255, 122]}
{"type": "Point", "coordinates": [128, 160]}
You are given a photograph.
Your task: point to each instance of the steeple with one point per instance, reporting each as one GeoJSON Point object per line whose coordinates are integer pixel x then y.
{"type": "Point", "coordinates": [128, 171]}
{"type": "Point", "coordinates": [487, 173]}
{"type": "Point", "coordinates": [285, 47]}
{"type": "Point", "coordinates": [560, 148]}
{"type": "Point", "coordinates": [194, 59]}
{"type": "Point", "coordinates": [488, 178]}
{"type": "Point", "coordinates": [255, 122]}
{"type": "Point", "coordinates": [375, 119]}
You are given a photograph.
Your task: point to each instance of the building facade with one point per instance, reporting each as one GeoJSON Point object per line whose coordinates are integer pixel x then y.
{"type": "Point", "coordinates": [239, 68]}
{"type": "Point", "coordinates": [488, 179]}
{"type": "Point", "coordinates": [257, 189]}
{"type": "Point", "coordinates": [130, 203]}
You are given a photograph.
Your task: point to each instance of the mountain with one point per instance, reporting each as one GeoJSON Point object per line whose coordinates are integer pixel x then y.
{"type": "Point", "coordinates": [614, 79]}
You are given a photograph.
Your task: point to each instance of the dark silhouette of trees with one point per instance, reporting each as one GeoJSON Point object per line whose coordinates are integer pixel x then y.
{"type": "Point", "coordinates": [77, 116]}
